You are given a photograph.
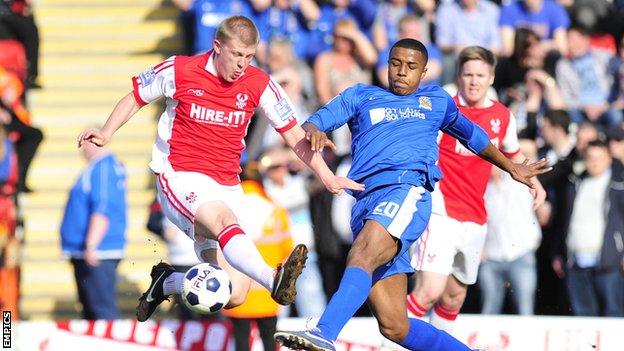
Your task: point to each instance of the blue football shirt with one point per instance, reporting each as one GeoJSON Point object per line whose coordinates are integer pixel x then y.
{"type": "Point", "coordinates": [101, 188]}
{"type": "Point", "coordinates": [394, 137]}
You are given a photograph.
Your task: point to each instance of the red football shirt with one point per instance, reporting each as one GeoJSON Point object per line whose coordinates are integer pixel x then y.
{"type": "Point", "coordinates": [465, 174]}
{"type": "Point", "coordinates": [204, 124]}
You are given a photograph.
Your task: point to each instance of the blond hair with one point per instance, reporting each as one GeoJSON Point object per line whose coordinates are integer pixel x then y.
{"type": "Point", "coordinates": [239, 27]}
{"type": "Point", "coordinates": [475, 53]}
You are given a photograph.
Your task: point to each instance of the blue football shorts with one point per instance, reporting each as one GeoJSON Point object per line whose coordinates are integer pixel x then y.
{"type": "Point", "coordinates": [404, 210]}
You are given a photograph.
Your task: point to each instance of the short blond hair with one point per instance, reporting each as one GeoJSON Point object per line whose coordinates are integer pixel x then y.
{"type": "Point", "coordinates": [475, 53]}
{"type": "Point", "coordinates": [239, 27]}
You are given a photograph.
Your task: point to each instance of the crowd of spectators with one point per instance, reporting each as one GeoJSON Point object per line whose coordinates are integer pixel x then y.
{"type": "Point", "coordinates": [561, 72]}
{"type": "Point", "coordinates": [19, 139]}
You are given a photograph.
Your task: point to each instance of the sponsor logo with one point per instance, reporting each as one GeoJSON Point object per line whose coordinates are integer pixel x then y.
{"type": "Point", "coordinates": [150, 297]}
{"type": "Point", "coordinates": [228, 119]}
{"type": "Point", "coordinates": [147, 77]}
{"type": "Point", "coordinates": [196, 92]}
{"type": "Point", "coordinates": [241, 100]}
{"type": "Point", "coordinates": [392, 114]}
{"type": "Point", "coordinates": [283, 109]}
{"type": "Point", "coordinates": [495, 124]}
{"type": "Point", "coordinates": [197, 283]}
{"type": "Point", "coordinates": [424, 102]}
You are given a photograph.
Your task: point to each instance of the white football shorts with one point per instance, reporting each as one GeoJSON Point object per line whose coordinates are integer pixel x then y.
{"type": "Point", "coordinates": [449, 246]}
{"type": "Point", "coordinates": [182, 193]}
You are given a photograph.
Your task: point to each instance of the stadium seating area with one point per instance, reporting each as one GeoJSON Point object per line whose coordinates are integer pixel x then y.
{"type": "Point", "coordinates": [90, 49]}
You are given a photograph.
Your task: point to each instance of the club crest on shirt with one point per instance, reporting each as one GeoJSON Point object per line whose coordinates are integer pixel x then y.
{"type": "Point", "coordinates": [495, 124]}
{"type": "Point", "coordinates": [191, 197]}
{"type": "Point", "coordinates": [241, 100]}
{"type": "Point", "coordinates": [147, 77]}
{"type": "Point", "coordinates": [424, 102]}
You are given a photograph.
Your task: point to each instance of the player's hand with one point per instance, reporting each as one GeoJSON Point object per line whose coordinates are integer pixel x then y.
{"type": "Point", "coordinates": [538, 192]}
{"type": "Point", "coordinates": [337, 185]}
{"type": "Point", "coordinates": [319, 140]}
{"type": "Point", "coordinates": [94, 136]}
{"type": "Point", "coordinates": [523, 172]}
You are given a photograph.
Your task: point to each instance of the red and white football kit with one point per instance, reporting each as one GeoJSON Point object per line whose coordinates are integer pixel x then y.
{"type": "Point", "coordinates": [200, 134]}
{"type": "Point", "coordinates": [454, 238]}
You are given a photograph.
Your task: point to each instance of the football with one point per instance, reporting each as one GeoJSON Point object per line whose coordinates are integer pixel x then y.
{"type": "Point", "coordinates": [206, 289]}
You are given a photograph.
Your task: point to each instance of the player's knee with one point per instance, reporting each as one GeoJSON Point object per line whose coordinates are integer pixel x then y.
{"type": "Point", "coordinates": [211, 218]}
{"type": "Point", "coordinates": [369, 255]}
{"type": "Point", "coordinates": [396, 332]}
{"type": "Point", "coordinates": [236, 300]}
{"type": "Point", "coordinates": [239, 294]}
{"type": "Point", "coordinates": [427, 295]}
{"type": "Point", "coordinates": [453, 300]}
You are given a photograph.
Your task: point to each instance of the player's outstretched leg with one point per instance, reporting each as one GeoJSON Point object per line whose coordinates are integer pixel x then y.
{"type": "Point", "coordinates": [310, 339]}
{"type": "Point", "coordinates": [284, 287]}
{"type": "Point", "coordinates": [154, 295]}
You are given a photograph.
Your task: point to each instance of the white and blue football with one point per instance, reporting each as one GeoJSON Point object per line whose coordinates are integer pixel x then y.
{"type": "Point", "coordinates": [206, 288]}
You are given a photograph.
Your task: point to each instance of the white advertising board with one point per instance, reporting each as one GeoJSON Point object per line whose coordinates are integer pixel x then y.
{"type": "Point", "coordinates": [496, 333]}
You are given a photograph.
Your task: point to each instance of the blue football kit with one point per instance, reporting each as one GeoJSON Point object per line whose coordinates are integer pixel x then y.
{"type": "Point", "coordinates": [394, 150]}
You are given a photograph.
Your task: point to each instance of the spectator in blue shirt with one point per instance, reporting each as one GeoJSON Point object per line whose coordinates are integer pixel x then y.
{"type": "Point", "coordinates": [385, 28]}
{"type": "Point", "coordinates": [410, 28]}
{"type": "Point", "coordinates": [93, 231]}
{"type": "Point", "coordinates": [360, 11]}
{"type": "Point", "coordinates": [209, 13]}
{"type": "Point", "coordinates": [545, 17]}
{"type": "Point", "coordinates": [287, 19]}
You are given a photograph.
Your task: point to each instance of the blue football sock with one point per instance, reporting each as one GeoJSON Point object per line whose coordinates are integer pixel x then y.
{"type": "Point", "coordinates": [354, 288]}
{"type": "Point", "coordinates": [423, 336]}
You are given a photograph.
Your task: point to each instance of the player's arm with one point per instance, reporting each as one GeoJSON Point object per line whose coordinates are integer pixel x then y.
{"type": "Point", "coordinates": [278, 108]}
{"type": "Point", "coordinates": [332, 116]}
{"type": "Point", "coordinates": [123, 111]}
{"type": "Point", "coordinates": [295, 138]}
{"type": "Point", "coordinates": [148, 86]}
{"type": "Point", "coordinates": [477, 141]}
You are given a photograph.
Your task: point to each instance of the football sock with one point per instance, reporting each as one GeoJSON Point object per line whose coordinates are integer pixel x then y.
{"type": "Point", "coordinates": [422, 336]}
{"type": "Point", "coordinates": [414, 307]}
{"type": "Point", "coordinates": [354, 288]}
{"type": "Point", "coordinates": [443, 317]}
{"type": "Point", "coordinates": [242, 254]}
{"type": "Point", "coordinates": [173, 283]}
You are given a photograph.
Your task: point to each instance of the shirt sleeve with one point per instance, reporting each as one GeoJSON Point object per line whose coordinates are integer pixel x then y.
{"type": "Point", "coordinates": [277, 107]}
{"type": "Point", "coordinates": [559, 18]}
{"type": "Point", "coordinates": [336, 112]}
{"type": "Point", "coordinates": [154, 82]}
{"type": "Point", "coordinates": [510, 145]}
{"type": "Point", "coordinates": [507, 16]}
{"type": "Point", "coordinates": [461, 128]}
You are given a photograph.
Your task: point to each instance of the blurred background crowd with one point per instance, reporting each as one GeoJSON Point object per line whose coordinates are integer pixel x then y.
{"type": "Point", "coordinates": [560, 71]}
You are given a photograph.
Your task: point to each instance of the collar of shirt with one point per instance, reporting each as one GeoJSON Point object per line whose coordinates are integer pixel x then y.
{"type": "Point", "coordinates": [462, 101]}
{"type": "Point", "coordinates": [210, 65]}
